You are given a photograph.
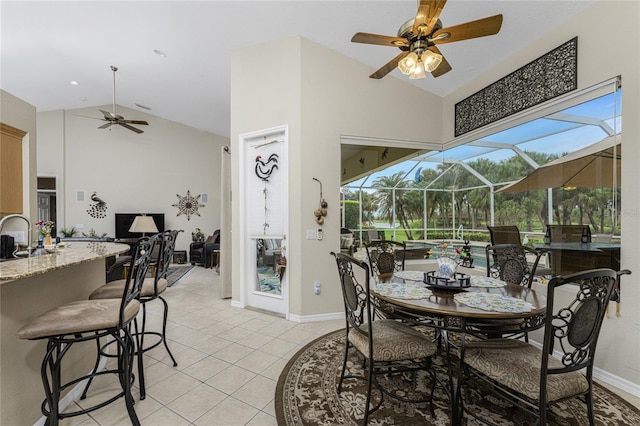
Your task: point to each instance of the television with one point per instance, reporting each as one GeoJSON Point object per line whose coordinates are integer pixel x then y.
{"type": "Point", "coordinates": [124, 221]}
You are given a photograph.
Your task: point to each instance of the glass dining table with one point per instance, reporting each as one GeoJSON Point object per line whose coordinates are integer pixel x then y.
{"type": "Point", "coordinates": [460, 312]}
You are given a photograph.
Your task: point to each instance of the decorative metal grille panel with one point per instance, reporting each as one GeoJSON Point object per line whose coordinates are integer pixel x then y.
{"type": "Point", "coordinates": [547, 77]}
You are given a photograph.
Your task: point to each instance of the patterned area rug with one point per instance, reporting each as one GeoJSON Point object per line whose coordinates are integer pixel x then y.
{"type": "Point", "coordinates": [177, 272]}
{"type": "Point", "coordinates": [306, 395]}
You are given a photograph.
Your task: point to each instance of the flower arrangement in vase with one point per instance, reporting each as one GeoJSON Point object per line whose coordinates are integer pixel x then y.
{"type": "Point", "coordinates": [46, 227]}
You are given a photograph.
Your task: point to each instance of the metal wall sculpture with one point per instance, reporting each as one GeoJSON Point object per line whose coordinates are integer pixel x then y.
{"type": "Point", "coordinates": [99, 209]}
{"type": "Point", "coordinates": [547, 77]}
{"type": "Point", "coordinates": [188, 205]}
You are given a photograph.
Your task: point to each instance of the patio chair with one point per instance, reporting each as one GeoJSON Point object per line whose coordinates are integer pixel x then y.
{"type": "Point", "coordinates": [385, 257]}
{"type": "Point", "coordinates": [389, 347]}
{"type": "Point", "coordinates": [529, 375]}
{"type": "Point", "coordinates": [509, 234]}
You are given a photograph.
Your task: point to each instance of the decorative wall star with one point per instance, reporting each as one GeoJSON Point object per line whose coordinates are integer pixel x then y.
{"type": "Point", "coordinates": [188, 205]}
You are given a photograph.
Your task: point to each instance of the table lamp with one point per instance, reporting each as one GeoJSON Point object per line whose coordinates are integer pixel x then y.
{"type": "Point", "coordinates": [143, 224]}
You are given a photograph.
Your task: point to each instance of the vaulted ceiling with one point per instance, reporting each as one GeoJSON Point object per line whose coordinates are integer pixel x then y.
{"type": "Point", "coordinates": [174, 56]}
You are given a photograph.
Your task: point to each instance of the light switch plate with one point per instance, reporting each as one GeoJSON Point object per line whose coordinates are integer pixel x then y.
{"type": "Point", "coordinates": [312, 234]}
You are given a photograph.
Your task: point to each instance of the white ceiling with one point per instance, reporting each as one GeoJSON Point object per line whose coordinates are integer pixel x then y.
{"type": "Point", "coordinates": [45, 45]}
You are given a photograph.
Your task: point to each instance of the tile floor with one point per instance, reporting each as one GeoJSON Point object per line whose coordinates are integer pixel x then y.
{"type": "Point", "coordinates": [229, 361]}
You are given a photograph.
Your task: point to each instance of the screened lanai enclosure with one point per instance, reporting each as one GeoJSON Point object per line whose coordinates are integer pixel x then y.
{"type": "Point", "coordinates": [499, 175]}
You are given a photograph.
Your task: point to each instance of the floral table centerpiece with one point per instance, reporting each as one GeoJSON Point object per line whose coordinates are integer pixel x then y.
{"type": "Point", "coordinates": [46, 227]}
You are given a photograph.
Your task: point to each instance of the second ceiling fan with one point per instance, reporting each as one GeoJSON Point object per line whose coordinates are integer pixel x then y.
{"type": "Point", "coordinates": [418, 37]}
{"type": "Point", "coordinates": [113, 118]}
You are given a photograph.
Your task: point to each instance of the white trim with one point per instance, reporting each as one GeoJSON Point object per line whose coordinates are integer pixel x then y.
{"type": "Point", "coordinates": [237, 304]}
{"type": "Point", "coordinates": [316, 317]}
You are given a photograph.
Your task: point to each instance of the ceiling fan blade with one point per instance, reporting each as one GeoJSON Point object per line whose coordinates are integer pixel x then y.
{"type": "Point", "coordinates": [86, 116]}
{"type": "Point", "coordinates": [378, 39]}
{"type": "Point", "coordinates": [473, 29]}
{"type": "Point", "coordinates": [104, 126]}
{"type": "Point", "coordinates": [427, 15]}
{"type": "Point", "coordinates": [134, 122]}
{"type": "Point", "coordinates": [125, 125]}
{"type": "Point", "coordinates": [444, 66]}
{"type": "Point", "coordinates": [107, 115]}
{"type": "Point", "coordinates": [389, 66]}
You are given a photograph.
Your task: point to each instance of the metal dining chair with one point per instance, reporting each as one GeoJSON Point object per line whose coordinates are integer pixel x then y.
{"type": "Point", "coordinates": [389, 347]}
{"type": "Point", "coordinates": [530, 375]}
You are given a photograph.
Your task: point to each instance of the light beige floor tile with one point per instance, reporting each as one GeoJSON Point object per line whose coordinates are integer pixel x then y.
{"type": "Point", "coordinates": [257, 393]}
{"type": "Point", "coordinates": [274, 370]}
{"type": "Point", "coordinates": [263, 419]}
{"type": "Point", "coordinates": [212, 345]}
{"type": "Point", "coordinates": [172, 387]}
{"type": "Point", "coordinates": [197, 402]}
{"type": "Point", "coordinates": [257, 361]}
{"type": "Point", "coordinates": [206, 368]}
{"type": "Point", "coordinates": [229, 412]}
{"type": "Point", "coordinates": [231, 379]}
{"type": "Point", "coordinates": [233, 353]}
{"type": "Point", "coordinates": [165, 417]}
{"type": "Point", "coordinates": [278, 347]}
{"type": "Point", "coordinates": [270, 408]}
{"type": "Point", "coordinates": [235, 334]}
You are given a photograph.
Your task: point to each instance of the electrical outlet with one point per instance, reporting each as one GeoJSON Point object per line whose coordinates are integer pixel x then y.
{"type": "Point", "coordinates": [316, 287]}
{"type": "Point", "coordinates": [79, 226]}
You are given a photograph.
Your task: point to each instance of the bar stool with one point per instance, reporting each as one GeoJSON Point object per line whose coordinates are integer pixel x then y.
{"type": "Point", "coordinates": [88, 320]}
{"type": "Point", "coordinates": [152, 288]}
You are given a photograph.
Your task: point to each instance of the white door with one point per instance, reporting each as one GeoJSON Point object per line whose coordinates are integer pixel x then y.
{"type": "Point", "coordinates": [264, 207]}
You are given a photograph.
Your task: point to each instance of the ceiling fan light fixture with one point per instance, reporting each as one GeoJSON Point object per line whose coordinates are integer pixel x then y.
{"type": "Point", "coordinates": [431, 60]}
{"type": "Point", "coordinates": [418, 71]}
{"type": "Point", "coordinates": [408, 63]}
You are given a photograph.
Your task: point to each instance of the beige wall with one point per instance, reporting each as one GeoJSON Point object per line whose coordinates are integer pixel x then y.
{"type": "Point", "coordinates": [599, 59]}
{"type": "Point", "coordinates": [21, 115]}
{"type": "Point", "coordinates": [131, 172]}
{"type": "Point", "coordinates": [320, 95]}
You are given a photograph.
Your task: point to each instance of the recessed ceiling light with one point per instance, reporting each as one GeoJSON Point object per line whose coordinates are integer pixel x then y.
{"type": "Point", "coordinates": [160, 53]}
{"type": "Point", "coordinates": [83, 99]}
{"type": "Point", "coordinates": [142, 106]}
{"type": "Point", "coordinates": [74, 83]}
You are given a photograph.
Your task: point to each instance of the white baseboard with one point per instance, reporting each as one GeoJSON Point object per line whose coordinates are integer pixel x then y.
{"type": "Point", "coordinates": [315, 318]}
{"type": "Point", "coordinates": [237, 304]}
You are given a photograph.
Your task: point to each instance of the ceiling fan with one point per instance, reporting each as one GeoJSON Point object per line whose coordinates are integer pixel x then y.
{"type": "Point", "coordinates": [113, 118]}
{"type": "Point", "coordinates": [417, 39]}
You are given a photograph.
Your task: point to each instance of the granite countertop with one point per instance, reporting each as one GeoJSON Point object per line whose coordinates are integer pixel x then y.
{"type": "Point", "coordinates": [72, 254]}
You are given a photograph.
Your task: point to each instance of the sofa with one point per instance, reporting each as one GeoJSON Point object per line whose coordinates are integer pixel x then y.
{"type": "Point", "coordinates": [200, 251]}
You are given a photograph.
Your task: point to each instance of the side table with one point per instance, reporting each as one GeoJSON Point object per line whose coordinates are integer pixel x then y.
{"type": "Point", "coordinates": [215, 255]}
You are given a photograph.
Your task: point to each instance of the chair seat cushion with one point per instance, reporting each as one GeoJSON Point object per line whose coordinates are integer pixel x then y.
{"type": "Point", "coordinates": [114, 289]}
{"type": "Point", "coordinates": [78, 317]}
{"type": "Point", "coordinates": [393, 341]}
{"type": "Point", "coordinates": [516, 365]}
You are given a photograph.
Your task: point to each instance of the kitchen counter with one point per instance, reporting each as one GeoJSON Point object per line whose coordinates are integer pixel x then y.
{"type": "Point", "coordinates": [73, 253]}
{"type": "Point", "coordinates": [28, 288]}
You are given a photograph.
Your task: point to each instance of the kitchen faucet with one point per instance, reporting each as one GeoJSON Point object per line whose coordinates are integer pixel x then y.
{"type": "Point", "coordinates": [29, 229]}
